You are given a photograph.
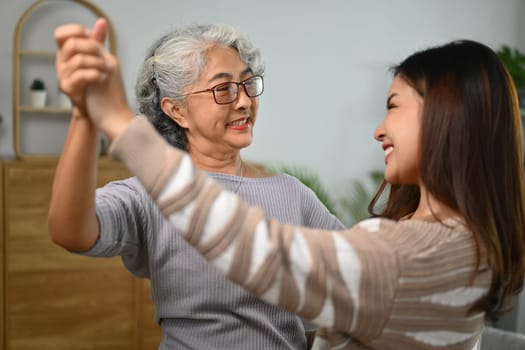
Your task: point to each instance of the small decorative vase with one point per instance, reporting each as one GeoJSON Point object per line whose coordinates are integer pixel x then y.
{"type": "Point", "coordinates": [38, 98]}
{"type": "Point", "coordinates": [63, 101]}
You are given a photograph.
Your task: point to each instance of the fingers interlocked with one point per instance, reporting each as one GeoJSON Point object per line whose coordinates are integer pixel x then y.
{"type": "Point", "coordinates": [80, 61]}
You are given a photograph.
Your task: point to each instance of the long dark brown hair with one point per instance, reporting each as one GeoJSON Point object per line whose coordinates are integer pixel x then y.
{"type": "Point", "coordinates": [471, 156]}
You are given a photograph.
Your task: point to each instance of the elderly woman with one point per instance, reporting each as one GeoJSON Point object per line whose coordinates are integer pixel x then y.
{"type": "Point", "coordinates": [199, 86]}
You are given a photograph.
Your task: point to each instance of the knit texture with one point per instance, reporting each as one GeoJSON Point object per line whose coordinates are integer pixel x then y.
{"type": "Point", "coordinates": [379, 285]}
{"type": "Point", "coordinates": [196, 305]}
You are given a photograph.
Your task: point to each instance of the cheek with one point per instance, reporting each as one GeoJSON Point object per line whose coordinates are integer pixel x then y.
{"type": "Point", "coordinates": [404, 165]}
{"type": "Point", "coordinates": [253, 111]}
{"type": "Point", "coordinates": [411, 164]}
{"type": "Point", "coordinates": [255, 106]}
{"type": "Point", "coordinates": [210, 114]}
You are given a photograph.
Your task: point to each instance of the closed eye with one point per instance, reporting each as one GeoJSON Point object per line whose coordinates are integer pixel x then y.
{"type": "Point", "coordinates": [222, 88]}
{"type": "Point", "coordinates": [390, 106]}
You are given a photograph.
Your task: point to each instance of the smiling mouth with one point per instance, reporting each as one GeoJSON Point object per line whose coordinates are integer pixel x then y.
{"type": "Point", "coordinates": [388, 151]}
{"type": "Point", "coordinates": [239, 122]}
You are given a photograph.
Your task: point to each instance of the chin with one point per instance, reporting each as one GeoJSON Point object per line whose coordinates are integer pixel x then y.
{"type": "Point", "coordinates": [389, 178]}
{"type": "Point", "coordinates": [393, 180]}
{"type": "Point", "coordinates": [245, 145]}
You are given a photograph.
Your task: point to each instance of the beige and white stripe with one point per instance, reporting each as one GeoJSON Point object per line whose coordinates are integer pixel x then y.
{"type": "Point", "coordinates": [378, 285]}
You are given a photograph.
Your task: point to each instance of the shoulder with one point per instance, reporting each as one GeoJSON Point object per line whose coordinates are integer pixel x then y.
{"type": "Point", "coordinates": [129, 189]}
{"type": "Point", "coordinates": [419, 243]}
{"type": "Point", "coordinates": [288, 179]}
{"type": "Point", "coordinates": [417, 236]}
{"type": "Point", "coordinates": [130, 183]}
{"type": "Point", "coordinates": [293, 182]}
{"type": "Point", "coordinates": [288, 185]}
{"type": "Point", "coordinates": [273, 180]}
{"type": "Point", "coordinates": [449, 227]}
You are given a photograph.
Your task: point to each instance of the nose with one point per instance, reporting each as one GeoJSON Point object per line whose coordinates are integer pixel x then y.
{"type": "Point", "coordinates": [379, 132]}
{"type": "Point", "coordinates": [243, 100]}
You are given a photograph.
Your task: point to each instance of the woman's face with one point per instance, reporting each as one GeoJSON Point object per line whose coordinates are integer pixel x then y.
{"type": "Point", "coordinates": [400, 133]}
{"type": "Point", "coordinates": [219, 128]}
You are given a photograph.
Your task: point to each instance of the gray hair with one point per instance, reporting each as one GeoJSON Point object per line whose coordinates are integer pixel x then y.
{"type": "Point", "coordinates": [176, 61]}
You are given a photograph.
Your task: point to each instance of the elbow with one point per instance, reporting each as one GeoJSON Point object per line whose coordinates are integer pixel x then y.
{"type": "Point", "coordinates": [56, 229]}
{"type": "Point", "coordinates": [68, 234]}
{"type": "Point", "coordinates": [53, 228]}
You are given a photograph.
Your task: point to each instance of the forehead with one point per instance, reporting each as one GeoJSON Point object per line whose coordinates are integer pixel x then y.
{"type": "Point", "coordinates": [399, 84]}
{"type": "Point", "coordinates": [400, 87]}
{"type": "Point", "coordinates": [225, 60]}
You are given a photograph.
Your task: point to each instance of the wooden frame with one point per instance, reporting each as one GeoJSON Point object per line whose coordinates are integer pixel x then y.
{"type": "Point", "coordinates": [18, 53]}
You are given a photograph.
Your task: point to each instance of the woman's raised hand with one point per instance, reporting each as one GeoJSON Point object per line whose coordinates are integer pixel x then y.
{"type": "Point", "coordinates": [91, 76]}
{"type": "Point", "coordinates": [79, 60]}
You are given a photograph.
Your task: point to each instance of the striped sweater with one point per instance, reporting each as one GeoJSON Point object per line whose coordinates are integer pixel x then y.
{"type": "Point", "coordinates": [379, 285]}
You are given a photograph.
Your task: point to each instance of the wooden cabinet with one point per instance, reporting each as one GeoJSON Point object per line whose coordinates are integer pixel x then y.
{"type": "Point", "coordinates": [50, 298]}
{"type": "Point", "coordinates": [53, 299]}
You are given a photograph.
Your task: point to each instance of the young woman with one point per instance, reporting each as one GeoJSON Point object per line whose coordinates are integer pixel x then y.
{"type": "Point", "coordinates": [199, 86]}
{"type": "Point", "coordinates": [445, 253]}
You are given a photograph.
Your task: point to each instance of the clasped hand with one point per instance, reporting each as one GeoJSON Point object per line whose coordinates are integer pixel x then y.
{"type": "Point", "coordinates": [90, 76]}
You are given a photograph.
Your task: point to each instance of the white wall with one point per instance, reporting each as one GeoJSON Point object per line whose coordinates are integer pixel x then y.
{"type": "Point", "coordinates": [327, 63]}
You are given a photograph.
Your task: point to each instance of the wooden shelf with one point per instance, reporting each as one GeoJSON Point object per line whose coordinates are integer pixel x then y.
{"type": "Point", "coordinates": [28, 57]}
{"type": "Point", "coordinates": [50, 54]}
{"type": "Point", "coordinates": [45, 110]}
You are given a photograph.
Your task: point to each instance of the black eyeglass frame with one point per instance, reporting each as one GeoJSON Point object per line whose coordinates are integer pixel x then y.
{"type": "Point", "coordinates": [243, 83]}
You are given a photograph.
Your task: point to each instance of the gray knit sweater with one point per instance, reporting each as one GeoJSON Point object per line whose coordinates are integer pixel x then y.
{"type": "Point", "coordinates": [196, 305]}
{"type": "Point", "coordinates": [379, 285]}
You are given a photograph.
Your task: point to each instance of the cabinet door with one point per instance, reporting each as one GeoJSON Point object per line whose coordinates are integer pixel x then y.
{"type": "Point", "coordinates": [55, 299]}
{"type": "Point", "coordinates": [2, 266]}
{"type": "Point", "coordinates": [150, 333]}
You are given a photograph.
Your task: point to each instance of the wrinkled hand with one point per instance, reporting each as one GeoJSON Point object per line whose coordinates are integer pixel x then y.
{"type": "Point", "coordinates": [106, 100]}
{"type": "Point", "coordinates": [79, 60]}
{"type": "Point", "coordinates": [91, 77]}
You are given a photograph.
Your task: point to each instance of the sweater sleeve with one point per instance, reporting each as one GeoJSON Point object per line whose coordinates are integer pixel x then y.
{"type": "Point", "coordinates": [343, 280]}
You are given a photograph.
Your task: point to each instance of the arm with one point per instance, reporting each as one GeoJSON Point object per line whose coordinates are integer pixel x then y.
{"type": "Point", "coordinates": [71, 218]}
{"type": "Point", "coordinates": [318, 215]}
{"type": "Point", "coordinates": [326, 276]}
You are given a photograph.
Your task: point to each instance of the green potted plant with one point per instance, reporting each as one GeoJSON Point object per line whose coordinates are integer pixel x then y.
{"type": "Point", "coordinates": [38, 93]}
{"type": "Point", "coordinates": [352, 207]}
{"type": "Point", "coordinates": [311, 179]}
{"type": "Point", "coordinates": [514, 61]}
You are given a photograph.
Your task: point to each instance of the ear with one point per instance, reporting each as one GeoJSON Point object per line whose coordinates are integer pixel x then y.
{"type": "Point", "coordinates": [175, 111]}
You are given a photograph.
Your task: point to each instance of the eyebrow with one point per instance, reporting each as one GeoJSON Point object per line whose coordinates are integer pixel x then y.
{"type": "Point", "coordinates": [228, 76]}
{"type": "Point", "coordinates": [390, 98]}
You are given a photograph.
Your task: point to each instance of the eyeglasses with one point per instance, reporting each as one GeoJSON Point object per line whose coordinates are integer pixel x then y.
{"type": "Point", "coordinates": [225, 93]}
